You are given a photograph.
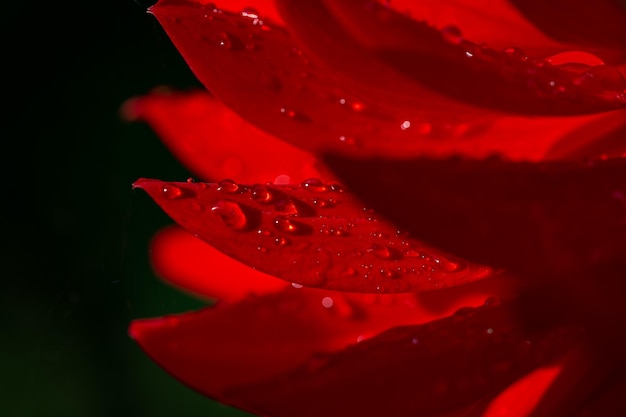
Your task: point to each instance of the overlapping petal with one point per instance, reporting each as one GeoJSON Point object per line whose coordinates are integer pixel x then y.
{"type": "Point", "coordinates": [400, 82]}
{"type": "Point", "coordinates": [539, 218]}
{"type": "Point", "coordinates": [285, 364]}
{"type": "Point", "coordinates": [215, 143]}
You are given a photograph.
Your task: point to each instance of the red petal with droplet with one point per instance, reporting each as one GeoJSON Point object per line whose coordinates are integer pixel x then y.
{"type": "Point", "coordinates": [190, 264]}
{"type": "Point", "coordinates": [315, 234]}
{"type": "Point", "coordinates": [467, 71]}
{"type": "Point", "coordinates": [222, 348]}
{"type": "Point", "coordinates": [418, 370]}
{"type": "Point", "coordinates": [543, 219]}
{"type": "Point", "coordinates": [215, 143]}
{"type": "Point", "coordinates": [301, 104]}
{"type": "Point", "coordinates": [495, 23]}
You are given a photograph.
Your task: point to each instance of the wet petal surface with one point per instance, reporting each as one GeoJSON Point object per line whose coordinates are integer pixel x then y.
{"type": "Point", "coordinates": [315, 234]}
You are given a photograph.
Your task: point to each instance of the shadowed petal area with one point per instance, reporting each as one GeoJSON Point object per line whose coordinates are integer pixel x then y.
{"type": "Point", "coordinates": [600, 25]}
{"type": "Point", "coordinates": [458, 67]}
{"type": "Point", "coordinates": [219, 349]}
{"type": "Point", "coordinates": [215, 143]}
{"type": "Point", "coordinates": [542, 219]}
{"type": "Point", "coordinates": [426, 370]}
{"type": "Point", "coordinates": [188, 263]}
{"type": "Point", "coordinates": [315, 234]}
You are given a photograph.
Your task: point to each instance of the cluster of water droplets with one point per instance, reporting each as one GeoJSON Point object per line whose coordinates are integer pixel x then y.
{"type": "Point", "coordinates": [564, 75]}
{"type": "Point", "coordinates": [299, 220]}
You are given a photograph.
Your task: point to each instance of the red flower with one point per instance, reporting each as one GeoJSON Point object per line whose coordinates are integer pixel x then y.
{"type": "Point", "coordinates": [463, 253]}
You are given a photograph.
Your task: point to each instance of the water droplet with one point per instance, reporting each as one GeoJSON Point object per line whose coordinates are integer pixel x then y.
{"type": "Point", "coordinates": [515, 53]}
{"type": "Point", "coordinates": [282, 241]}
{"type": "Point", "coordinates": [262, 194]}
{"type": "Point", "coordinates": [191, 180]}
{"type": "Point", "coordinates": [261, 249]}
{"type": "Point", "coordinates": [327, 302]}
{"type": "Point", "coordinates": [231, 214]}
{"type": "Point", "coordinates": [228, 186]}
{"type": "Point", "coordinates": [294, 114]}
{"type": "Point", "coordinates": [285, 224]}
{"type": "Point", "coordinates": [405, 125]}
{"type": "Point", "coordinates": [348, 140]}
{"type": "Point", "coordinates": [489, 330]}
{"type": "Point", "coordinates": [286, 206]}
{"type": "Point", "coordinates": [323, 203]}
{"type": "Point", "coordinates": [224, 40]}
{"type": "Point", "coordinates": [314, 185]}
{"type": "Point", "coordinates": [330, 230]}
{"type": "Point", "coordinates": [389, 273]}
{"type": "Point", "coordinates": [171, 192]}
{"type": "Point", "coordinates": [452, 34]}
{"type": "Point", "coordinates": [575, 57]}
{"type": "Point", "coordinates": [380, 251]}
{"type": "Point", "coordinates": [335, 187]}
{"type": "Point", "coordinates": [250, 13]}
{"type": "Point", "coordinates": [296, 285]}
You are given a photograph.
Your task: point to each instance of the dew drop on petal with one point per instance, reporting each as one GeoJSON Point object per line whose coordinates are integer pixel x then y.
{"type": "Point", "coordinates": [327, 302]}
{"type": "Point", "coordinates": [452, 34]}
{"type": "Point", "coordinates": [250, 13]}
{"type": "Point", "coordinates": [405, 125]}
{"type": "Point", "coordinates": [296, 285]}
{"type": "Point", "coordinates": [171, 192]}
{"type": "Point", "coordinates": [227, 186]}
{"type": "Point", "coordinates": [575, 57]}
{"type": "Point", "coordinates": [286, 225]}
{"type": "Point", "coordinates": [224, 40]}
{"type": "Point", "coordinates": [282, 241]}
{"type": "Point", "coordinates": [380, 251]}
{"type": "Point", "coordinates": [314, 185]}
{"type": "Point", "coordinates": [231, 214]}
{"type": "Point", "coordinates": [261, 194]}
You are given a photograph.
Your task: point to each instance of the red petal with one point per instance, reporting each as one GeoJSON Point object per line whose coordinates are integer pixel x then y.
{"type": "Point", "coordinates": [462, 69]}
{"type": "Point", "coordinates": [495, 23]}
{"type": "Point", "coordinates": [542, 218]}
{"type": "Point", "coordinates": [601, 25]}
{"type": "Point", "coordinates": [190, 264]}
{"type": "Point", "coordinates": [232, 345]}
{"type": "Point", "coordinates": [420, 370]}
{"type": "Point", "coordinates": [214, 143]}
{"type": "Point", "coordinates": [314, 234]}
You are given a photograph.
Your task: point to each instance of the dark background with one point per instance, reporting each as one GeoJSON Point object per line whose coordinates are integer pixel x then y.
{"type": "Point", "coordinates": [74, 258]}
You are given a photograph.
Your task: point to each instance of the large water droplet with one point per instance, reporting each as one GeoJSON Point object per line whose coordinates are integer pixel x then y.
{"type": "Point", "coordinates": [228, 186]}
{"type": "Point", "coordinates": [171, 192]}
{"type": "Point", "coordinates": [231, 214]}
{"type": "Point", "coordinates": [262, 194]}
{"type": "Point", "coordinates": [314, 185]}
{"type": "Point", "coordinates": [224, 40]}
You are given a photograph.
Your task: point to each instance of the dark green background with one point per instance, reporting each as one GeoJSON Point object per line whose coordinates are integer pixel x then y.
{"type": "Point", "coordinates": [74, 243]}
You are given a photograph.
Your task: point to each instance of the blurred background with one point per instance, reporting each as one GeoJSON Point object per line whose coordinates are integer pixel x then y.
{"type": "Point", "coordinates": [74, 256]}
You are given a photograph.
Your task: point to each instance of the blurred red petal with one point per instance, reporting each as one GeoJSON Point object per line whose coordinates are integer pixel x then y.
{"type": "Point", "coordinates": [479, 75]}
{"type": "Point", "coordinates": [215, 143]}
{"type": "Point", "coordinates": [425, 370]}
{"type": "Point", "coordinates": [601, 25]}
{"type": "Point", "coordinates": [314, 234]}
{"type": "Point", "coordinates": [220, 348]}
{"type": "Point", "coordinates": [190, 264]}
{"type": "Point", "coordinates": [543, 218]}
